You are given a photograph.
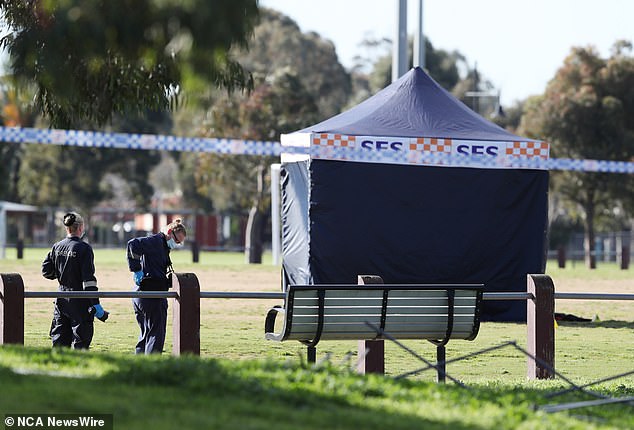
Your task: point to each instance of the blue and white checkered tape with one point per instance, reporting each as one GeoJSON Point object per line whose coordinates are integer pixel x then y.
{"type": "Point", "coordinates": [94, 139]}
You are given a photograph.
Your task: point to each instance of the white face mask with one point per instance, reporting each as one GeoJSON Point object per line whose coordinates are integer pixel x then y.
{"type": "Point", "coordinates": [171, 243]}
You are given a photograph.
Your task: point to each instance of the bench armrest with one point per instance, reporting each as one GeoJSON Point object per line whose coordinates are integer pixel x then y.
{"type": "Point", "coordinates": [269, 324]}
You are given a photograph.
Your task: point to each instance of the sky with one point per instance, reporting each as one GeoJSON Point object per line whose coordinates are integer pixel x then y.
{"type": "Point", "coordinates": [517, 45]}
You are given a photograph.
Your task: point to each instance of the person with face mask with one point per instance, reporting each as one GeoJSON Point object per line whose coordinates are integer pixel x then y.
{"type": "Point", "coordinates": [71, 263]}
{"type": "Point", "coordinates": [149, 261]}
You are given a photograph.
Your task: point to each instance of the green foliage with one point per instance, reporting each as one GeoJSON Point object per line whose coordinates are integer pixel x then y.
{"type": "Point", "coordinates": [73, 177]}
{"type": "Point", "coordinates": [279, 46]}
{"type": "Point", "coordinates": [164, 392]}
{"type": "Point", "coordinates": [441, 65]}
{"type": "Point", "coordinates": [90, 59]}
{"type": "Point", "coordinates": [9, 165]}
{"type": "Point", "coordinates": [298, 81]}
{"type": "Point", "coordinates": [74, 182]}
{"type": "Point", "coordinates": [586, 113]}
{"type": "Point", "coordinates": [14, 112]}
{"type": "Point", "coordinates": [277, 105]}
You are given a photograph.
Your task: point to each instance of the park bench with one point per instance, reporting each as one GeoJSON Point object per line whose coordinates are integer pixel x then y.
{"type": "Point", "coordinates": [435, 312]}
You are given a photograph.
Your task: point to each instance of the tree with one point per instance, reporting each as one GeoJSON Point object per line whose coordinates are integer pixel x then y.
{"type": "Point", "coordinates": [586, 113]}
{"type": "Point", "coordinates": [278, 104]}
{"type": "Point", "coordinates": [278, 44]}
{"type": "Point", "coordinates": [90, 59]}
{"type": "Point", "coordinates": [12, 115]}
{"type": "Point", "coordinates": [441, 65]}
{"type": "Point", "coordinates": [300, 81]}
{"type": "Point", "coordinates": [72, 177]}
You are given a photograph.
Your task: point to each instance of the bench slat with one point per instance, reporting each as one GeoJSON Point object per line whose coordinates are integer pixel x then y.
{"type": "Point", "coordinates": [329, 301]}
{"type": "Point", "coordinates": [365, 302]}
{"type": "Point", "coordinates": [403, 332]}
{"type": "Point", "coordinates": [409, 312]}
{"type": "Point", "coordinates": [359, 291]}
{"type": "Point", "coordinates": [414, 320]}
{"type": "Point", "coordinates": [396, 310]}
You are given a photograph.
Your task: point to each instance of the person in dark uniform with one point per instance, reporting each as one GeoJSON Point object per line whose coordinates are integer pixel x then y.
{"type": "Point", "coordinates": [149, 260]}
{"type": "Point", "coordinates": [71, 263]}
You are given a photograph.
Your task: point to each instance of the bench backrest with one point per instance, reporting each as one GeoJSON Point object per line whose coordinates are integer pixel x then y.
{"type": "Point", "coordinates": [432, 312]}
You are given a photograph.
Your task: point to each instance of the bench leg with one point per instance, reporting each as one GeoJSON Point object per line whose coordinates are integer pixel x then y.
{"type": "Point", "coordinates": [440, 362]}
{"type": "Point", "coordinates": [311, 354]}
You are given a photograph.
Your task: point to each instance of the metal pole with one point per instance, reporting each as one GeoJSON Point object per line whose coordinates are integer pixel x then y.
{"type": "Point", "coordinates": [593, 296]}
{"type": "Point", "coordinates": [419, 39]}
{"type": "Point", "coordinates": [240, 295]}
{"type": "Point", "coordinates": [101, 294]}
{"type": "Point", "coordinates": [500, 295]}
{"type": "Point", "coordinates": [399, 51]}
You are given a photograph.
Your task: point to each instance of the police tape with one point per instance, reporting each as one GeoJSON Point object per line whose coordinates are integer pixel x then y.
{"type": "Point", "coordinates": [134, 141]}
{"type": "Point", "coordinates": [96, 139]}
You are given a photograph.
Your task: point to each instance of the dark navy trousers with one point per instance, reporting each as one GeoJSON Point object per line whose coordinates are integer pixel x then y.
{"type": "Point", "coordinates": [72, 325]}
{"type": "Point", "coordinates": [151, 315]}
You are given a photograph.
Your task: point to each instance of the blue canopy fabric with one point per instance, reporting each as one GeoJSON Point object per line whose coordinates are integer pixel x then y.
{"type": "Point", "coordinates": [413, 106]}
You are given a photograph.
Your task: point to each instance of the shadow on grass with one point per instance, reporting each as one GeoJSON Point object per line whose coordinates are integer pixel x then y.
{"type": "Point", "coordinates": [189, 392]}
{"type": "Point", "coordinates": [601, 324]}
{"type": "Point", "coordinates": [162, 392]}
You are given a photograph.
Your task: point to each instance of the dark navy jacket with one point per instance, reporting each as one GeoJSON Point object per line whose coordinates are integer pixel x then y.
{"type": "Point", "coordinates": [72, 262]}
{"type": "Point", "coordinates": [150, 254]}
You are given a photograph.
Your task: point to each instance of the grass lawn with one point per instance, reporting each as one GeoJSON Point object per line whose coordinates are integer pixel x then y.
{"type": "Point", "coordinates": [163, 392]}
{"type": "Point", "coordinates": [234, 328]}
{"type": "Point", "coordinates": [266, 378]}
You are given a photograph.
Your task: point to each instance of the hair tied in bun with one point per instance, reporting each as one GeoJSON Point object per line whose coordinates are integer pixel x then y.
{"type": "Point", "coordinates": [69, 219]}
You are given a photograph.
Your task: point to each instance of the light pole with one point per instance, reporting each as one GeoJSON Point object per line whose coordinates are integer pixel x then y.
{"type": "Point", "coordinates": [419, 39]}
{"type": "Point", "coordinates": [399, 50]}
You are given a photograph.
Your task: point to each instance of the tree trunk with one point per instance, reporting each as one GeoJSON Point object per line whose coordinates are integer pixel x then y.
{"type": "Point", "coordinates": [589, 239]}
{"type": "Point", "coordinates": [253, 246]}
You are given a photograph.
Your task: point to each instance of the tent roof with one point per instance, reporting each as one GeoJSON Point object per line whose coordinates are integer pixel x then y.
{"type": "Point", "coordinates": [413, 106]}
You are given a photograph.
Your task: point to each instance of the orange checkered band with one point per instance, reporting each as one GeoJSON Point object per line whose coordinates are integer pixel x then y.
{"type": "Point", "coordinates": [422, 146]}
{"type": "Point", "coordinates": [334, 140]}
{"type": "Point", "coordinates": [528, 150]}
{"type": "Point", "coordinates": [431, 145]}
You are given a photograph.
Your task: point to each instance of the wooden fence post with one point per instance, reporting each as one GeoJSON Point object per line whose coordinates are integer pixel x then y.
{"type": "Point", "coordinates": [561, 257]}
{"type": "Point", "coordinates": [625, 257]}
{"type": "Point", "coordinates": [372, 361]}
{"type": "Point", "coordinates": [540, 323]}
{"type": "Point", "coordinates": [195, 251]}
{"type": "Point", "coordinates": [186, 314]}
{"type": "Point", "coordinates": [11, 309]}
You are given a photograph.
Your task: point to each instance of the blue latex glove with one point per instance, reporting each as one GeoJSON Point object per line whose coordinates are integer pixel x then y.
{"type": "Point", "coordinates": [138, 276]}
{"type": "Point", "coordinates": [99, 312]}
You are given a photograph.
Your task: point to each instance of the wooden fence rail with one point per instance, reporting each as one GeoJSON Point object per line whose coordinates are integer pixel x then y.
{"type": "Point", "coordinates": [540, 298]}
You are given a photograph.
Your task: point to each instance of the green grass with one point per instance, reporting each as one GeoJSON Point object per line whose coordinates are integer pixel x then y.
{"type": "Point", "coordinates": [577, 270]}
{"type": "Point", "coordinates": [116, 257]}
{"type": "Point", "coordinates": [233, 329]}
{"type": "Point", "coordinates": [232, 341]}
{"type": "Point", "coordinates": [162, 392]}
